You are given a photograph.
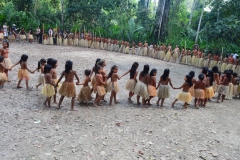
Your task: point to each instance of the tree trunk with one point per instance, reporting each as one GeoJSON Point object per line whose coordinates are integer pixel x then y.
{"type": "Point", "coordinates": [161, 19]}
{"type": "Point", "coordinates": [191, 15]}
{"type": "Point", "coordinates": [200, 20]}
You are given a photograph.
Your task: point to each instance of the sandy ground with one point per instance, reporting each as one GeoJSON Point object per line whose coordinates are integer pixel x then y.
{"type": "Point", "coordinates": [30, 131]}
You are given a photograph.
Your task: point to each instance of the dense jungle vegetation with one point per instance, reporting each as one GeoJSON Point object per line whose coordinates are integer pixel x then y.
{"type": "Point", "coordinates": [212, 24]}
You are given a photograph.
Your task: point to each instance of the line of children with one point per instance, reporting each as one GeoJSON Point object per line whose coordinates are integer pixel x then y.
{"type": "Point", "coordinates": [145, 87]}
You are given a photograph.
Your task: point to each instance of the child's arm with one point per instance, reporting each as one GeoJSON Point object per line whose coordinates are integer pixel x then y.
{"type": "Point", "coordinates": [135, 76]}
{"type": "Point", "coordinates": [15, 64]}
{"type": "Point", "coordinates": [76, 76]}
{"type": "Point", "coordinates": [116, 75]}
{"type": "Point", "coordinates": [9, 69]}
{"type": "Point", "coordinates": [160, 80]}
{"type": "Point", "coordinates": [124, 74]}
{"type": "Point", "coordinates": [49, 79]}
{"type": "Point", "coordinates": [82, 82]}
{"type": "Point", "coordinates": [28, 69]}
{"type": "Point", "coordinates": [170, 82]}
{"type": "Point", "coordinates": [179, 87]}
{"type": "Point", "coordinates": [59, 80]}
{"type": "Point", "coordinates": [100, 79]}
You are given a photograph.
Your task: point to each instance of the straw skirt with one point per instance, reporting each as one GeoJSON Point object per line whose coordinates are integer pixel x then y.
{"type": "Point", "coordinates": [84, 94]}
{"type": "Point", "coordinates": [185, 97]}
{"type": "Point", "coordinates": [164, 91]}
{"type": "Point", "coordinates": [48, 90]}
{"type": "Point", "coordinates": [131, 83]}
{"type": "Point", "coordinates": [141, 90]}
{"type": "Point", "coordinates": [67, 89]}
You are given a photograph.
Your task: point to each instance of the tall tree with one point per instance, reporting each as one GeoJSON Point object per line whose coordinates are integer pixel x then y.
{"type": "Point", "coordinates": [161, 19]}
{"type": "Point", "coordinates": [200, 20]}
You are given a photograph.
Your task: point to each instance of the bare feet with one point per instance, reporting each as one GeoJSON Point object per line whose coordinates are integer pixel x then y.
{"type": "Point", "coordinates": [172, 105]}
{"type": "Point", "coordinates": [95, 105]}
{"type": "Point", "coordinates": [19, 87]}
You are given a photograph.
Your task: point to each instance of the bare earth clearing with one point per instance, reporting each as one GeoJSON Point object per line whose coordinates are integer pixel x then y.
{"type": "Point", "coordinates": [124, 131]}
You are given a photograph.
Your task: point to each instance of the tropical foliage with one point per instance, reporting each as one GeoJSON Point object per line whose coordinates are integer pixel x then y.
{"type": "Point", "coordinates": [212, 24]}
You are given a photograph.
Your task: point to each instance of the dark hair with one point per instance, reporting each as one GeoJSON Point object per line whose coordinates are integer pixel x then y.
{"type": "Point", "coordinates": [53, 63]}
{"type": "Point", "coordinates": [215, 69]}
{"type": "Point", "coordinates": [87, 72]}
{"type": "Point", "coordinates": [219, 73]}
{"type": "Point", "coordinates": [68, 66]}
{"type": "Point", "coordinates": [111, 72]}
{"type": "Point", "coordinates": [97, 68]}
{"type": "Point", "coordinates": [96, 63]}
{"type": "Point", "coordinates": [165, 74]}
{"type": "Point", "coordinates": [235, 74]}
{"type": "Point", "coordinates": [231, 71]}
{"type": "Point", "coordinates": [145, 70]}
{"type": "Point", "coordinates": [189, 80]}
{"type": "Point", "coordinates": [201, 77]}
{"type": "Point", "coordinates": [47, 68]}
{"type": "Point", "coordinates": [210, 76]}
{"type": "Point", "coordinates": [192, 73]}
{"type": "Point", "coordinates": [49, 60]}
{"type": "Point", "coordinates": [40, 63]}
{"type": "Point", "coordinates": [1, 58]}
{"type": "Point", "coordinates": [204, 70]}
{"type": "Point", "coordinates": [7, 43]}
{"type": "Point", "coordinates": [133, 69]}
{"type": "Point", "coordinates": [152, 72]}
{"type": "Point", "coordinates": [229, 75]}
{"type": "Point", "coordinates": [24, 58]}
{"type": "Point", "coordinates": [101, 62]}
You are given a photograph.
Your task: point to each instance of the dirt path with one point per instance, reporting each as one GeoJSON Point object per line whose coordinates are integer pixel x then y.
{"type": "Point", "coordinates": [124, 131]}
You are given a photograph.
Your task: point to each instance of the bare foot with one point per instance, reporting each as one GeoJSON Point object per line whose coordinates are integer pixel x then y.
{"type": "Point", "coordinates": [100, 104]}
{"type": "Point", "coordinates": [110, 104]}
{"type": "Point", "coordinates": [95, 105]}
{"type": "Point", "coordinates": [104, 100]}
{"type": "Point", "coordinates": [161, 105]}
{"type": "Point", "coordinates": [37, 87]}
{"type": "Point", "coordinates": [172, 105]}
{"type": "Point", "coordinates": [116, 102]}
{"type": "Point", "coordinates": [19, 87]}
{"type": "Point", "coordinates": [73, 109]}
{"type": "Point", "coordinates": [138, 103]}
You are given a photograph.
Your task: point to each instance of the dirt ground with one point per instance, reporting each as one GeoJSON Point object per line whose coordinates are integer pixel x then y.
{"type": "Point", "coordinates": [125, 131]}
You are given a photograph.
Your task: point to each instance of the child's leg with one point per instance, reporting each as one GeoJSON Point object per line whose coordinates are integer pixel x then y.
{"type": "Point", "coordinates": [27, 84]}
{"type": "Point", "coordinates": [223, 97]}
{"type": "Point", "coordinates": [38, 85]}
{"type": "Point", "coordinates": [19, 82]}
{"type": "Point", "coordinates": [115, 97]}
{"type": "Point", "coordinates": [205, 102]}
{"type": "Point", "coordinates": [162, 101]}
{"type": "Point", "coordinates": [195, 102]}
{"type": "Point", "coordinates": [55, 97]}
{"type": "Point", "coordinates": [158, 101]}
{"type": "Point", "coordinates": [186, 105]}
{"type": "Point", "coordinates": [218, 97]}
{"type": "Point", "coordinates": [143, 101]}
{"type": "Point", "coordinates": [72, 104]}
{"type": "Point", "coordinates": [45, 102]}
{"type": "Point", "coordinates": [60, 102]}
{"type": "Point", "coordinates": [174, 103]}
{"type": "Point", "coordinates": [97, 101]}
{"type": "Point", "coordinates": [111, 97]}
{"type": "Point", "coordinates": [49, 101]}
{"type": "Point", "coordinates": [148, 100]}
{"type": "Point", "coordinates": [138, 98]}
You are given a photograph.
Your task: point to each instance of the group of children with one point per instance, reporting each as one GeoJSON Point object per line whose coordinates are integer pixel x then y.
{"type": "Point", "coordinates": [144, 85]}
